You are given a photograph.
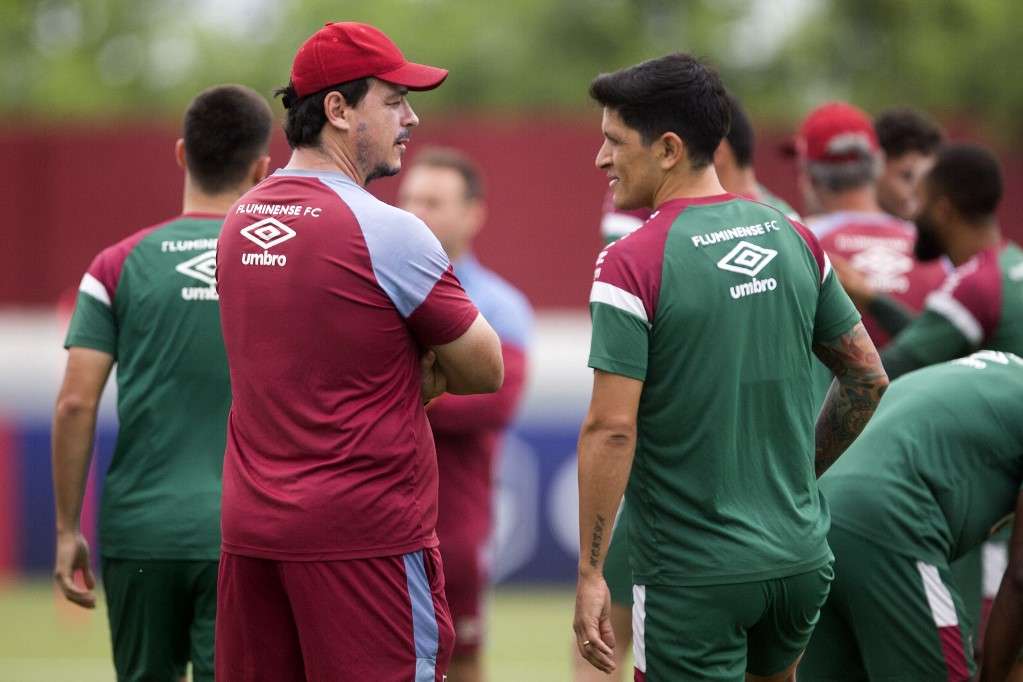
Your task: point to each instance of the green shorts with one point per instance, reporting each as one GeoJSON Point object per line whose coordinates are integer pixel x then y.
{"type": "Point", "coordinates": [161, 617]}
{"type": "Point", "coordinates": [890, 617]}
{"type": "Point", "coordinates": [617, 572]}
{"type": "Point", "coordinates": [721, 632]}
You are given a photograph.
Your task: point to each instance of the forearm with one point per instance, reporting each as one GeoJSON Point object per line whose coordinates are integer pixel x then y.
{"type": "Point", "coordinates": [1003, 639]}
{"type": "Point", "coordinates": [73, 433]}
{"type": "Point", "coordinates": [605, 459]}
{"type": "Point", "coordinates": [487, 412]}
{"type": "Point", "coordinates": [890, 314]}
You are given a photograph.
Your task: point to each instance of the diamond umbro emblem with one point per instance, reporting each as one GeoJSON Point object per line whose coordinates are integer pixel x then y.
{"type": "Point", "coordinates": [267, 233]}
{"type": "Point", "coordinates": [203, 268]}
{"type": "Point", "coordinates": [747, 259]}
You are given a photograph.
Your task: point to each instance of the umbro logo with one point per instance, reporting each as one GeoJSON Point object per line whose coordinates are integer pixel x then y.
{"type": "Point", "coordinates": [203, 268]}
{"type": "Point", "coordinates": [268, 233]}
{"type": "Point", "coordinates": [747, 259]}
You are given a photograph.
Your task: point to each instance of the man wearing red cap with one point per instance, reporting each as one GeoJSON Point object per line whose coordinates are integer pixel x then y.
{"type": "Point", "coordinates": [341, 317]}
{"type": "Point", "coordinates": [839, 163]}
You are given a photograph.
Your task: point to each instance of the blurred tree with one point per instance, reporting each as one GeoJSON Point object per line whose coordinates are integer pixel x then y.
{"type": "Point", "coordinates": [148, 57]}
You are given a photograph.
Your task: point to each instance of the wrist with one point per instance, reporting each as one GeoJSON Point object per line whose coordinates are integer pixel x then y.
{"type": "Point", "coordinates": [588, 572]}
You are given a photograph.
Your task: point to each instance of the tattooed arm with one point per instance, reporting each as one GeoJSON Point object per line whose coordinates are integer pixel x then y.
{"type": "Point", "coordinates": [860, 380]}
{"type": "Point", "coordinates": [607, 445]}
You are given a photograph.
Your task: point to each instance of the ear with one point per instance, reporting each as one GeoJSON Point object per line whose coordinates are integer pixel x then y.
{"type": "Point", "coordinates": [179, 153]}
{"type": "Point", "coordinates": [723, 154]}
{"type": "Point", "coordinates": [944, 211]}
{"type": "Point", "coordinates": [337, 111]}
{"type": "Point", "coordinates": [477, 215]}
{"type": "Point", "coordinates": [259, 169]}
{"type": "Point", "coordinates": [670, 150]}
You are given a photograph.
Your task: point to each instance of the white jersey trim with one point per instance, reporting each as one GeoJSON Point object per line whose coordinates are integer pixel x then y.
{"type": "Point", "coordinates": [616, 225]}
{"type": "Point", "coordinates": [994, 561]}
{"type": "Point", "coordinates": [827, 268]}
{"type": "Point", "coordinates": [639, 627]}
{"type": "Point", "coordinates": [959, 315]}
{"type": "Point", "coordinates": [93, 287]}
{"type": "Point", "coordinates": [602, 292]}
{"type": "Point", "coordinates": [939, 598]}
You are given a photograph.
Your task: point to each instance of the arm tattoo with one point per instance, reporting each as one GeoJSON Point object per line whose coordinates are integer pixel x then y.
{"type": "Point", "coordinates": [860, 380]}
{"type": "Point", "coordinates": [597, 540]}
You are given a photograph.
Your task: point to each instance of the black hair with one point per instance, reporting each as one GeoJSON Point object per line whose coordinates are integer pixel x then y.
{"type": "Point", "coordinates": [305, 118]}
{"type": "Point", "coordinates": [904, 130]}
{"type": "Point", "coordinates": [970, 177]}
{"type": "Point", "coordinates": [226, 128]}
{"type": "Point", "coordinates": [740, 134]}
{"type": "Point", "coordinates": [676, 93]}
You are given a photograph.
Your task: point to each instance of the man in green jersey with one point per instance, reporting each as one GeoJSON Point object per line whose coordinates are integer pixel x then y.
{"type": "Point", "coordinates": [705, 321]}
{"type": "Point", "coordinates": [149, 303]}
{"type": "Point", "coordinates": [937, 471]}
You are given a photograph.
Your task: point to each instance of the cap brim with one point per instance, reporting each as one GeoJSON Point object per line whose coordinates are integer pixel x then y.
{"type": "Point", "coordinates": [415, 76]}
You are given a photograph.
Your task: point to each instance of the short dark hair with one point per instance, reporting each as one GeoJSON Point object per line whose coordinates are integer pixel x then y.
{"type": "Point", "coordinates": [676, 93]}
{"type": "Point", "coordinates": [969, 176]}
{"type": "Point", "coordinates": [740, 133]}
{"type": "Point", "coordinates": [452, 159]}
{"type": "Point", "coordinates": [902, 130]}
{"type": "Point", "coordinates": [226, 128]}
{"type": "Point", "coordinates": [305, 118]}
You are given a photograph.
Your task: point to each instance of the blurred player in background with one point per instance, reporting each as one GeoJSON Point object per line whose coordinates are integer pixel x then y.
{"type": "Point", "coordinates": [910, 141]}
{"type": "Point", "coordinates": [728, 298]}
{"type": "Point", "coordinates": [445, 190]}
{"type": "Point", "coordinates": [733, 162]}
{"type": "Point", "coordinates": [839, 162]}
{"type": "Point", "coordinates": [148, 303]}
{"type": "Point", "coordinates": [341, 317]}
{"type": "Point", "coordinates": [938, 468]}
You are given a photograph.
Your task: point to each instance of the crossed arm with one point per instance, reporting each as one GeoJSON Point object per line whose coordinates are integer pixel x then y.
{"type": "Point", "coordinates": [860, 381]}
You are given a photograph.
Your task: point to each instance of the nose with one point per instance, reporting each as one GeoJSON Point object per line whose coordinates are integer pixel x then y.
{"type": "Point", "coordinates": [410, 119]}
{"type": "Point", "coordinates": [603, 159]}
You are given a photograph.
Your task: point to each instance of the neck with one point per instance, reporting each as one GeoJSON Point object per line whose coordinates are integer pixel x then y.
{"type": "Point", "coordinates": [331, 155]}
{"type": "Point", "coordinates": [973, 240]}
{"type": "Point", "coordinates": [861, 199]}
{"type": "Point", "coordinates": [741, 181]}
{"type": "Point", "coordinates": [689, 185]}
{"type": "Point", "coordinates": [197, 201]}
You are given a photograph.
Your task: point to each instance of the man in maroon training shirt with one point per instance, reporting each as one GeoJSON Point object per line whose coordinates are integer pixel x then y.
{"type": "Point", "coordinates": [341, 316]}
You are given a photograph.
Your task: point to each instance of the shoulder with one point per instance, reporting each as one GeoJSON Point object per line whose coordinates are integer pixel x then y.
{"type": "Point", "coordinates": [505, 307]}
{"type": "Point", "coordinates": [104, 273]}
{"type": "Point", "coordinates": [971, 297]}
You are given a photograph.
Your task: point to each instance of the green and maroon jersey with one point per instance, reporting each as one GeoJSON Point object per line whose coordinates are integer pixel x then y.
{"type": "Point", "coordinates": [150, 301]}
{"type": "Point", "coordinates": [980, 305]}
{"type": "Point", "coordinates": [715, 303]}
{"type": "Point", "coordinates": [939, 467]}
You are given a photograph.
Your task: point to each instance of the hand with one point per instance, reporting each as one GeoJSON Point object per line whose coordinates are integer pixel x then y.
{"type": "Point", "coordinates": [593, 633]}
{"type": "Point", "coordinates": [73, 556]}
{"type": "Point", "coordinates": [853, 281]}
{"type": "Point", "coordinates": [434, 383]}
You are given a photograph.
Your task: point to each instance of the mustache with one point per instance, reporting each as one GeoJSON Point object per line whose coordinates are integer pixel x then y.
{"type": "Point", "coordinates": [403, 136]}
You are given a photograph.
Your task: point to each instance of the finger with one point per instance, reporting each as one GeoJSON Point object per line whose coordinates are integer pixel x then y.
{"type": "Point", "coordinates": [73, 593]}
{"type": "Point", "coordinates": [89, 577]}
{"type": "Point", "coordinates": [597, 651]}
{"type": "Point", "coordinates": [607, 633]}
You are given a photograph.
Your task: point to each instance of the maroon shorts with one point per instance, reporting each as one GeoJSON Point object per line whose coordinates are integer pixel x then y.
{"type": "Point", "coordinates": [380, 619]}
{"type": "Point", "coordinates": [465, 580]}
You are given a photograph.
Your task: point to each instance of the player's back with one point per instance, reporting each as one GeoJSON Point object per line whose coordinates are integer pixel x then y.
{"type": "Point", "coordinates": [723, 484]}
{"type": "Point", "coordinates": [941, 461]}
{"type": "Point", "coordinates": [149, 301]}
{"type": "Point", "coordinates": [329, 452]}
{"type": "Point", "coordinates": [881, 247]}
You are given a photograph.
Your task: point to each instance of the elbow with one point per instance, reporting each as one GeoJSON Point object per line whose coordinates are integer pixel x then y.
{"type": "Point", "coordinates": [493, 378]}
{"type": "Point", "coordinates": [74, 405]}
{"type": "Point", "coordinates": [612, 430]}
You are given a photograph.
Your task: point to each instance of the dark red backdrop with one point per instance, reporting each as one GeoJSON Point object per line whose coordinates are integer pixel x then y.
{"type": "Point", "coordinates": [67, 192]}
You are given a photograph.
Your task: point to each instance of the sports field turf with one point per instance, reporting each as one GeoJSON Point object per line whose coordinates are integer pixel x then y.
{"type": "Point", "coordinates": [44, 640]}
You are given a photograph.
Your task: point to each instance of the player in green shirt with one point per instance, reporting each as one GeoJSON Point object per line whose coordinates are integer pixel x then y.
{"type": "Point", "coordinates": [705, 321]}
{"type": "Point", "coordinates": [937, 470]}
{"type": "Point", "coordinates": [149, 304]}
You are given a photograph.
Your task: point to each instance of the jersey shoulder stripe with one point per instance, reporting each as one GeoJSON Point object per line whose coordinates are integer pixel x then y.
{"type": "Point", "coordinates": [406, 258]}
{"type": "Point", "coordinates": [602, 292]}
{"type": "Point", "coordinates": [971, 296]}
{"type": "Point", "coordinates": [104, 273]}
{"type": "Point", "coordinates": [816, 250]}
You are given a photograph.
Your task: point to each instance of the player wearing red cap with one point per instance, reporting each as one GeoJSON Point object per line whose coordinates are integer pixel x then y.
{"type": "Point", "coordinates": [839, 162]}
{"type": "Point", "coordinates": [341, 316]}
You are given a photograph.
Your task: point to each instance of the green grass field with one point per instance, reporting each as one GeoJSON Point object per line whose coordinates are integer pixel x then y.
{"type": "Point", "coordinates": [43, 639]}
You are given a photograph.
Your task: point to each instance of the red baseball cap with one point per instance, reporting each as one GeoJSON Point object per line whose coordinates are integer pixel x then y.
{"type": "Point", "coordinates": [836, 132]}
{"type": "Point", "coordinates": [346, 51]}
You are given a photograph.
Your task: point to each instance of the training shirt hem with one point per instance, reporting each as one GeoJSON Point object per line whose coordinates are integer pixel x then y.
{"type": "Point", "coordinates": [162, 554]}
{"type": "Point", "coordinates": [683, 580]}
{"type": "Point", "coordinates": [330, 554]}
{"type": "Point", "coordinates": [92, 342]}
{"type": "Point", "coordinates": [912, 552]}
{"type": "Point", "coordinates": [840, 329]}
{"type": "Point", "coordinates": [605, 364]}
